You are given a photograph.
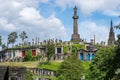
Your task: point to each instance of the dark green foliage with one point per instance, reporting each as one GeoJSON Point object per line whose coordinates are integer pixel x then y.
{"type": "Point", "coordinates": [29, 75]}
{"type": "Point", "coordinates": [71, 69]}
{"type": "Point", "coordinates": [28, 56]}
{"type": "Point", "coordinates": [50, 51]}
{"type": "Point", "coordinates": [106, 65]}
{"type": "Point", "coordinates": [12, 37]}
{"type": "Point", "coordinates": [61, 77]}
{"type": "Point", "coordinates": [0, 40]}
{"type": "Point", "coordinates": [113, 71]}
{"type": "Point", "coordinates": [100, 66]}
{"type": "Point", "coordinates": [38, 56]}
{"type": "Point", "coordinates": [118, 26]}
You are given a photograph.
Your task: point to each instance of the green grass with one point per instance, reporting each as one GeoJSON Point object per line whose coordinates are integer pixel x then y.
{"type": "Point", "coordinates": [30, 64]}
{"type": "Point", "coordinates": [53, 65]}
{"type": "Point", "coordinates": [49, 77]}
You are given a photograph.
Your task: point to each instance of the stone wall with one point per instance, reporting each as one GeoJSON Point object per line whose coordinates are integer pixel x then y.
{"type": "Point", "coordinates": [3, 73]}
{"type": "Point", "coordinates": [17, 73]}
{"type": "Point", "coordinates": [12, 73]}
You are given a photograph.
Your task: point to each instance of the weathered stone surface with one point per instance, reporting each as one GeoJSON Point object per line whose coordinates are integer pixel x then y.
{"type": "Point", "coordinates": [17, 73]}
{"type": "Point", "coordinates": [75, 35]}
{"type": "Point", "coordinates": [12, 73]}
{"type": "Point", "coordinates": [3, 73]}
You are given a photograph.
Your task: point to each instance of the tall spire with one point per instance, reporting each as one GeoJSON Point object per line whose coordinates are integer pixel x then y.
{"type": "Point", "coordinates": [111, 28]}
{"type": "Point", "coordinates": [111, 40]}
{"type": "Point", "coordinates": [75, 35]}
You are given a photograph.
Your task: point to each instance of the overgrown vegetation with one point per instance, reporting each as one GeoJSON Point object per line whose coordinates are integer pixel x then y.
{"type": "Point", "coordinates": [29, 57]}
{"type": "Point", "coordinates": [53, 65]}
{"type": "Point", "coordinates": [71, 69]}
{"type": "Point", "coordinates": [76, 47]}
{"type": "Point", "coordinates": [99, 66]}
{"type": "Point", "coordinates": [106, 65]}
{"type": "Point", "coordinates": [29, 75]}
{"type": "Point", "coordinates": [66, 49]}
{"type": "Point", "coordinates": [50, 51]}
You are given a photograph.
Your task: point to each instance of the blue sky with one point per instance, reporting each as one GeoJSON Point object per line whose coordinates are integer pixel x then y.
{"type": "Point", "coordinates": [53, 18]}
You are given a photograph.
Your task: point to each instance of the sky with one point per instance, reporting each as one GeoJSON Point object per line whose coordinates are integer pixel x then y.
{"type": "Point", "coordinates": [53, 18]}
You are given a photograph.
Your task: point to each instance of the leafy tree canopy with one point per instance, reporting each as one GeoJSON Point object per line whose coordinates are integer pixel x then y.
{"type": "Point", "coordinates": [23, 36]}
{"type": "Point", "coordinates": [12, 37]}
{"type": "Point", "coordinates": [71, 69]}
{"type": "Point", "coordinates": [100, 65]}
{"type": "Point", "coordinates": [0, 40]}
{"type": "Point", "coordinates": [29, 75]}
{"type": "Point", "coordinates": [50, 51]}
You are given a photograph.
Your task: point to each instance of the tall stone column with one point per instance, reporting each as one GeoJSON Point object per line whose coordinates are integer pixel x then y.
{"type": "Point", "coordinates": [75, 35]}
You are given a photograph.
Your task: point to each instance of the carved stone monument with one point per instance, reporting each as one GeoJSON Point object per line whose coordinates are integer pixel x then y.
{"type": "Point", "coordinates": [75, 35]}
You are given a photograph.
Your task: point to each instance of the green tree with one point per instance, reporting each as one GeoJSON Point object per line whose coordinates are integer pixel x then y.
{"type": "Point", "coordinates": [100, 65]}
{"type": "Point", "coordinates": [28, 56]}
{"type": "Point", "coordinates": [29, 75]}
{"type": "Point", "coordinates": [114, 70]}
{"type": "Point", "coordinates": [38, 56]}
{"type": "Point", "coordinates": [61, 77]}
{"type": "Point", "coordinates": [71, 69]}
{"type": "Point", "coordinates": [23, 36]}
{"type": "Point", "coordinates": [50, 51]}
{"type": "Point", "coordinates": [12, 37]}
{"type": "Point", "coordinates": [0, 40]}
{"type": "Point", "coordinates": [66, 49]}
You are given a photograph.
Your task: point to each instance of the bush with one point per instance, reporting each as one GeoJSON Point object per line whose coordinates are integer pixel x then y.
{"type": "Point", "coordinates": [29, 75]}
{"type": "Point", "coordinates": [71, 69]}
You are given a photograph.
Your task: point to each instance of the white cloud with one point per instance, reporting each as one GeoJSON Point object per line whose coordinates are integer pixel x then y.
{"type": "Point", "coordinates": [19, 15]}
{"type": "Point", "coordinates": [6, 26]}
{"type": "Point", "coordinates": [29, 14]}
{"type": "Point", "coordinates": [88, 29]}
{"type": "Point", "coordinates": [50, 27]}
{"type": "Point", "coordinates": [87, 7]}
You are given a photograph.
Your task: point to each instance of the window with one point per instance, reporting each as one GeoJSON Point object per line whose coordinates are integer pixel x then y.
{"type": "Point", "coordinates": [81, 56]}
{"type": "Point", "coordinates": [93, 56]}
{"type": "Point", "coordinates": [88, 56]}
{"type": "Point", "coordinates": [58, 50]}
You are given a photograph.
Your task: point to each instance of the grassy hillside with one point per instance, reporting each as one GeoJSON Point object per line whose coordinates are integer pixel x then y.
{"type": "Point", "coordinates": [53, 65]}
{"type": "Point", "coordinates": [19, 64]}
